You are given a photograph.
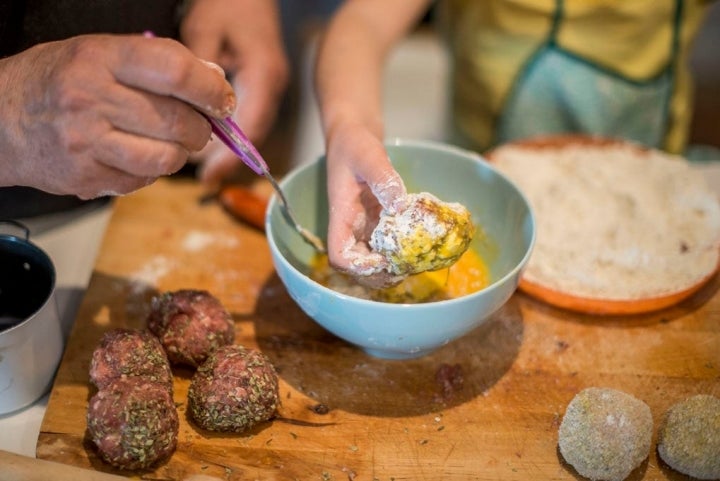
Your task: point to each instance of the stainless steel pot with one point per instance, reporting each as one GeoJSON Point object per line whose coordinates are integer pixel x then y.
{"type": "Point", "coordinates": [31, 341]}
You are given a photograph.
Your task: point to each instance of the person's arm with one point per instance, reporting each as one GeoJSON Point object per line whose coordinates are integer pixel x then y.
{"type": "Point", "coordinates": [348, 83]}
{"type": "Point", "coordinates": [244, 37]}
{"type": "Point", "coordinates": [104, 114]}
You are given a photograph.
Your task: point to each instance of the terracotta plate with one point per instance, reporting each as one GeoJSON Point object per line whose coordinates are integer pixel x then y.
{"type": "Point", "coordinates": [590, 305]}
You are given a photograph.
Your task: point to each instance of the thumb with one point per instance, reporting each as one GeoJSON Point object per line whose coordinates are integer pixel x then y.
{"type": "Point", "coordinates": [389, 189]}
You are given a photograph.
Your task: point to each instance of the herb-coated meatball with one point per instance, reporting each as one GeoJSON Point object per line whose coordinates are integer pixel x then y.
{"type": "Point", "coordinates": [235, 389]}
{"type": "Point", "coordinates": [127, 353]}
{"type": "Point", "coordinates": [190, 325]}
{"type": "Point", "coordinates": [133, 423]}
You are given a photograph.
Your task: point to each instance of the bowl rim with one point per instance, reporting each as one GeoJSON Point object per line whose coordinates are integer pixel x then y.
{"type": "Point", "coordinates": [429, 144]}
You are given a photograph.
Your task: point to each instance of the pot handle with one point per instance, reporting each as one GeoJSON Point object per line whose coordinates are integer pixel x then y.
{"type": "Point", "coordinates": [19, 225]}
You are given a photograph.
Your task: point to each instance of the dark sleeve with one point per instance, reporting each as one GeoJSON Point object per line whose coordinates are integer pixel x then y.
{"type": "Point", "coordinates": [24, 23]}
{"type": "Point", "coordinates": [12, 13]}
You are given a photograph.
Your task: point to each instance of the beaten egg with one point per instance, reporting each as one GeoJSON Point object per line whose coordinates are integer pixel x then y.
{"type": "Point", "coordinates": [469, 274]}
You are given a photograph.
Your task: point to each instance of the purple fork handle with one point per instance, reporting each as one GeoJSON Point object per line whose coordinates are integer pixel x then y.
{"type": "Point", "coordinates": [236, 140]}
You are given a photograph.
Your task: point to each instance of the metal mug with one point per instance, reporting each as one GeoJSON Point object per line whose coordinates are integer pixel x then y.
{"type": "Point", "coordinates": [31, 340]}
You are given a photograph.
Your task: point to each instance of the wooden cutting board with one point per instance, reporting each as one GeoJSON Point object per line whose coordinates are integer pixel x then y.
{"type": "Point", "coordinates": [487, 406]}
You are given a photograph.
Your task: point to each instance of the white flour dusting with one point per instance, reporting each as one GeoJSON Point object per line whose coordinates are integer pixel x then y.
{"type": "Point", "coordinates": [196, 241]}
{"type": "Point", "coordinates": [152, 271]}
{"type": "Point", "coordinates": [392, 227]}
{"type": "Point", "coordinates": [391, 193]}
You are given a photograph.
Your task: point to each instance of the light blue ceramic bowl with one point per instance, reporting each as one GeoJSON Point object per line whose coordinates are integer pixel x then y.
{"type": "Point", "coordinates": [399, 331]}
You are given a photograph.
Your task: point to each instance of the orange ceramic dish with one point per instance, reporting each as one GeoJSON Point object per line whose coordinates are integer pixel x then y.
{"type": "Point", "coordinates": [597, 305]}
{"type": "Point", "coordinates": [609, 306]}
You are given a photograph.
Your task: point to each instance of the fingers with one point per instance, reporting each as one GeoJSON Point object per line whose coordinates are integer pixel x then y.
{"type": "Point", "coordinates": [157, 117]}
{"type": "Point", "coordinates": [115, 163]}
{"type": "Point", "coordinates": [204, 42]}
{"type": "Point", "coordinates": [368, 268]}
{"type": "Point", "coordinates": [140, 133]}
{"type": "Point", "coordinates": [101, 114]}
{"type": "Point", "coordinates": [139, 156]}
{"type": "Point", "coordinates": [361, 181]}
{"type": "Point", "coordinates": [93, 179]}
{"type": "Point", "coordinates": [200, 32]}
{"type": "Point", "coordinates": [118, 163]}
{"type": "Point", "coordinates": [260, 76]}
{"type": "Point", "coordinates": [380, 280]}
{"type": "Point", "coordinates": [384, 181]}
{"type": "Point", "coordinates": [150, 130]}
{"type": "Point", "coordinates": [354, 148]}
{"type": "Point", "coordinates": [258, 99]}
{"type": "Point", "coordinates": [166, 67]}
{"type": "Point", "coordinates": [353, 215]}
{"type": "Point", "coordinates": [121, 184]}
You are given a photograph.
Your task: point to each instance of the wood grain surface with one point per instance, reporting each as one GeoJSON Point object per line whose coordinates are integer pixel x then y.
{"type": "Point", "coordinates": [484, 407]}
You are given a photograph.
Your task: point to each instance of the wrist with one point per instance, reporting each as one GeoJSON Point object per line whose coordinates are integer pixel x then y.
{"type": "Point", "coordinates": [342, 121]}
{"type": "Point", "coordinates": [9, 115]}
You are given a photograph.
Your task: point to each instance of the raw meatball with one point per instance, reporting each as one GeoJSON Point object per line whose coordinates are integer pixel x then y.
{"type": "Point", "coordinates": [235, 389]}
{"type": "Point", "coordinates": [129, 352]}
{"type": "Point", "coordinates": [605, 433]}
{"type": "Point", "coordinates": [689, 437]}
{"type": "Point", "coordinates": [427, 236]}
{"type": "Point", "coordinates": [190, 324]}
{"type": "Point", "coordinates": [133, 423]}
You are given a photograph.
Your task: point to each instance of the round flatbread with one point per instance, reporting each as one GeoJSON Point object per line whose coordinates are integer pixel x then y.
{"type": "Point", "coordinates": [621, 229]}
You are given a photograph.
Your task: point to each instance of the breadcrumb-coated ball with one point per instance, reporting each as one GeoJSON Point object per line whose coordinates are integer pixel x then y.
{"type": "Point", "coordinates": [605, 434]}
{"type": "Point", "coordinates": [426, 236]}
{"type": "Point", "coordinates": [689, 437]}
{"type": "Point", "coordinates": [233, 390]}
{"type": "Point", "coordinates": [190, 324]}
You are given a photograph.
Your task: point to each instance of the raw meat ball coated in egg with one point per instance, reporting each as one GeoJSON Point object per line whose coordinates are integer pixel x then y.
{"type": "Point", "coordinates": [605, 434]}
{"type": "Point", "coordinates": [233, 390]}
{"type": "Point", "coordinates": [128, 353]}
{"type": "Point", "coordinates": [190, 325]}
{"type": "Point", "coordinates": [133, 423]}
{"type": "Point", "coordinates": [428, 235]}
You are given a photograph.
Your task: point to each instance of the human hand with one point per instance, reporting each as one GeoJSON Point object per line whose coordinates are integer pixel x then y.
{"type": "Point", "coordinates": [243, 37]}
{"type": "Point", "coordinates": [103, 114]}
{"type": "Point", "coordinates": [361, 183]}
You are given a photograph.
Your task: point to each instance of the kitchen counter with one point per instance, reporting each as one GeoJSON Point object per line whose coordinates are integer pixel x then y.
{"type": "Point", "coordinates": [485, 406]}
{"type": "Point", "coordinates": [73, 239]}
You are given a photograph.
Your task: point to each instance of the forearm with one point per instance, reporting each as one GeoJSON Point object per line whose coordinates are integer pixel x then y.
{"type": "Point", "coordinates": [352, 53]}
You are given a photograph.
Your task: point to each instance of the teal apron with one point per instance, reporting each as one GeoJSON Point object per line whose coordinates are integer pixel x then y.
{"type": "Point", "coordinates": [557, 91]}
